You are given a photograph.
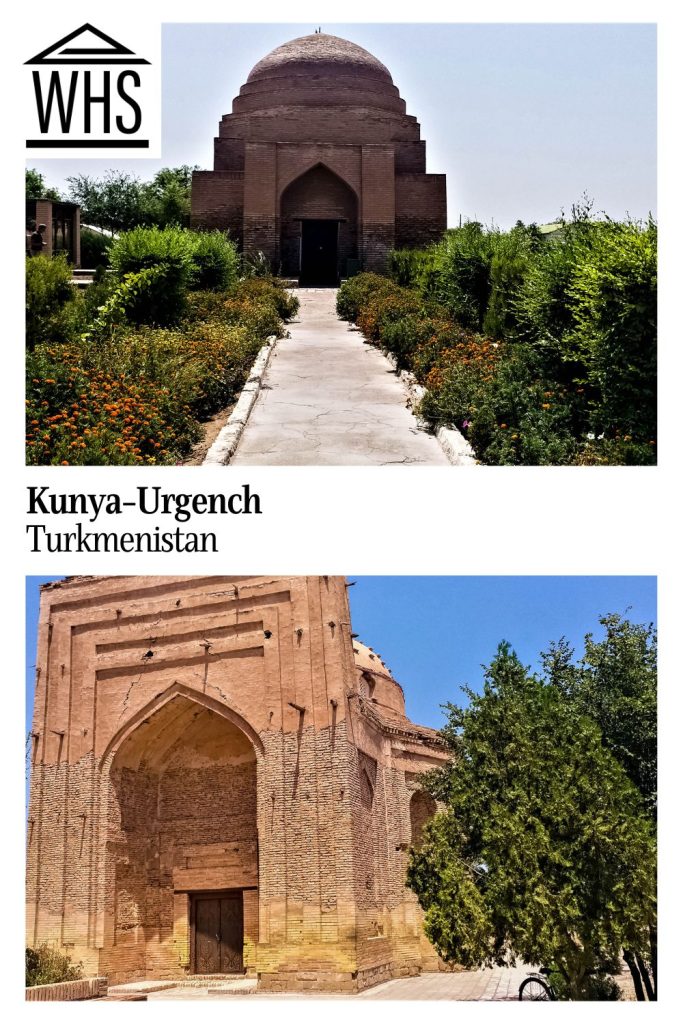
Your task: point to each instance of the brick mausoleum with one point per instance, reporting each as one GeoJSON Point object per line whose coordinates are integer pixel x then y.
{"type": "Point", "coordinates": [223, 780]}
{"type": "Point", "coordinates": [319, 167]}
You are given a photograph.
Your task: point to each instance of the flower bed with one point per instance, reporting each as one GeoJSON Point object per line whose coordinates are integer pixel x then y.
{"type": "Point", "coordinates": [123, 394]}
{"type": "Point", "coordinates": [540, 353]}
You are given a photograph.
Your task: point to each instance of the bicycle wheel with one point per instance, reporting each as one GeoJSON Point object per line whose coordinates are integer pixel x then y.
{"type": "Point", "coordinates": [535, 988]}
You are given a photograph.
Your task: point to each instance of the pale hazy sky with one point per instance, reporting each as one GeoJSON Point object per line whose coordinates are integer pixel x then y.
{"type": "Point", "coordinates": [522, 118]}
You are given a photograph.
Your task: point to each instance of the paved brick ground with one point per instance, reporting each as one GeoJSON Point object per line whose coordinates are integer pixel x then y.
{"type": "Point", "coordinates": [499, 984]}
{"type": "Point", "coordinates": [329, 399]}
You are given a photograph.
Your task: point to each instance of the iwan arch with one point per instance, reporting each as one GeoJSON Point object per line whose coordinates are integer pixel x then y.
{"type": "Point", "coordinates": [319, 167]}
{"type": "Point", "coordinates": [224, 781]}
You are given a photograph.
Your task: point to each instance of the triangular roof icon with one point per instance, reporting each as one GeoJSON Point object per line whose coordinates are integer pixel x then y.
{"type": "Point", "coordinates": [87, 50]}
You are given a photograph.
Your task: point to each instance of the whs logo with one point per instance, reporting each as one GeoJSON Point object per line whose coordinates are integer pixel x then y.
{"type": "Point", "coordinates": [90, 92]}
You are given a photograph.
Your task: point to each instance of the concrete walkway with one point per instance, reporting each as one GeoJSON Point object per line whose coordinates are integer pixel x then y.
{"type": "Point", "coordinates": [500, 984]}
{"type": "Point", "coordinates": [329, 399]}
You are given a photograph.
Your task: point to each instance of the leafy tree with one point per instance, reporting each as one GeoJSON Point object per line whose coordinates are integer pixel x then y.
{"type": "Point", "coordinates": [543, 851]}
{"type": "Point", "coordinates": [167, 196]}
{"type": "Point", "coordinates": [114, 202]}
{"type": "Point", "coordinates": [119, 201]}
{"type": "Point", "coordinates": [615, 683]}
{"type": "Point", "coordinates": [36, 187]}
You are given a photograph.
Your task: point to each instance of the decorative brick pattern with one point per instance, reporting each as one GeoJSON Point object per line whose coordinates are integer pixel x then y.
{"type": "Point", "coordinates": [220, 734]}
{"type": "Point", "coordinates": [317, 108]}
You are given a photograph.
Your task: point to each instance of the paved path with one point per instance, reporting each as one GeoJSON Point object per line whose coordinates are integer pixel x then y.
{"type": "Point", "coordinates": [329, 399]}
{"type": "Point", "coordinates": [498, 984]}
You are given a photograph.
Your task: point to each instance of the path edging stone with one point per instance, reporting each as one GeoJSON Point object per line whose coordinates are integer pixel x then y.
{"type": "Point", "coordinates": [223, 448]}
{"type": "Point", "coordinates": [455, 446]}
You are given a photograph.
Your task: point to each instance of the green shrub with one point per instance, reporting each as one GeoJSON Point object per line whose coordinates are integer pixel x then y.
{"type": "Point", "coordinates": [576, 314]}
{"type": "Point", "coordinates": [215, 259]}
{"type": "Point", "coordinates": [511, 254]}
{"type": "Point", "coordinates": [123, 395]}
{"type": "Point", "coordinates": [272, 290]}
{"type": "Point", "coordinates": [409, 267]}
{"type": "Point", "coordinates": [163, 302]}
{"type": "Point", "coordinates": [45, 965]}
{"type": "Point", "coordinates": [258, 304]}
{"type": "Point", "coordinates": [462, 267]}
{"type": "Point", "coordinates": [203, 366]}
{"type": "Point", "coordinates": [614, 297]}
{"type": "Point", "coordinates": [355, 292]}
{"type": "Point", "coordinates": [123, 302]}
{"type": "Point", "coordinates": [94, 249]}
{"type": "Point", "coordinates": [388, 307]}
{"type": "Point", "coordinates": [52, 310]}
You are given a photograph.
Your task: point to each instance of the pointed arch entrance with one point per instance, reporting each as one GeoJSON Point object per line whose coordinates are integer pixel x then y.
{"type": "Point", "coordinates": [182, 843]}
{"type": "Point", "coordinates": [318, 227]}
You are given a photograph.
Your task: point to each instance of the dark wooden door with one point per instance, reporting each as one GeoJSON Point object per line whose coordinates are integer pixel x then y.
{"type": "Point", "coordinates": [218, 934]}
{"type": "Point", "coordinates": [319, 253]}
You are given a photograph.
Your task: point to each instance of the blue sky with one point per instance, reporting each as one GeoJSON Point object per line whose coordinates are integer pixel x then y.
{"type": "Point", "coordinates": [435, 632]}
{"type": "Point", "coordinates": [522, 118]}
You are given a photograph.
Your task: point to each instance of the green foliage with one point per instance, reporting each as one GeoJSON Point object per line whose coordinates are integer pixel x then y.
{"type": "Point", "coordinates": [462, 273]}
{"type": "Point", "coordinates": [36, 187]}
{"type": "Point", "coordinates": [163, 302]}
{"type": "Point", "coordinates": [114, 202]}
{"type": "Point", "coordinates": [614, 296]}
{"type": "Point", "coordinates": [356, 292]}
{"type": "Point", "coordinates": [615, 683]}
{"type": "Point", "coordinates": [123, 303]}
{"type": "Point", "coordinates": [544, 851]}
{"type": "Point", "coordinates": [119, 201]}
{"type": "Point", "coordinates": [45, 965]}
{"type": "Point", "coordinates": [166, 199]}
{"type": "Point", "coordinates": [572, 317]}
{"type": "Point", "coordinates": [94, 249]}
{"type": "Point", "coordinates": [216, 261]}
{"type": "Point", "coordinates": [49, 299]}
{"type": "Point", "coordinates": [121, 395]}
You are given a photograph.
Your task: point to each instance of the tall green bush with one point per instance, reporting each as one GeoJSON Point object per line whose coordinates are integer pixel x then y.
{"type": "Point", "coordinates": [614, 298]}
{"type": "Point", "coordinates": [171, 248]}
{"type": "Point", "coordinates": [94, 249]}
{"type": "Point", "coordinates": [355, 292]}
{"type": "Point", "coordinates": [215, 259]}
{"type": "Point", "coordinates": [51, 302]}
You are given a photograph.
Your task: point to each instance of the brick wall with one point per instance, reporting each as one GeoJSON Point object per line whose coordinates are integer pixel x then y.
{"type": "Point", "coordinates": [420, 209]}
{"type": "Point", "coordinates": [218, 201]}
{"type": "Point", "coordinates": [205, 733]}
{"type": "Point", "coordinates": [281, 127]}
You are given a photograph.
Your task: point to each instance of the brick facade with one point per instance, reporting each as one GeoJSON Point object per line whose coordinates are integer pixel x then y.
{"type": "Point", "coordinates": [197, 735]}
{"type": "Point", "coordinates": [319, 131]}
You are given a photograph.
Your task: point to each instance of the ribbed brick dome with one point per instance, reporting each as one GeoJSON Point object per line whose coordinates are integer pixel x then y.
{"type": "Point", "coordinates": [319, 53]}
